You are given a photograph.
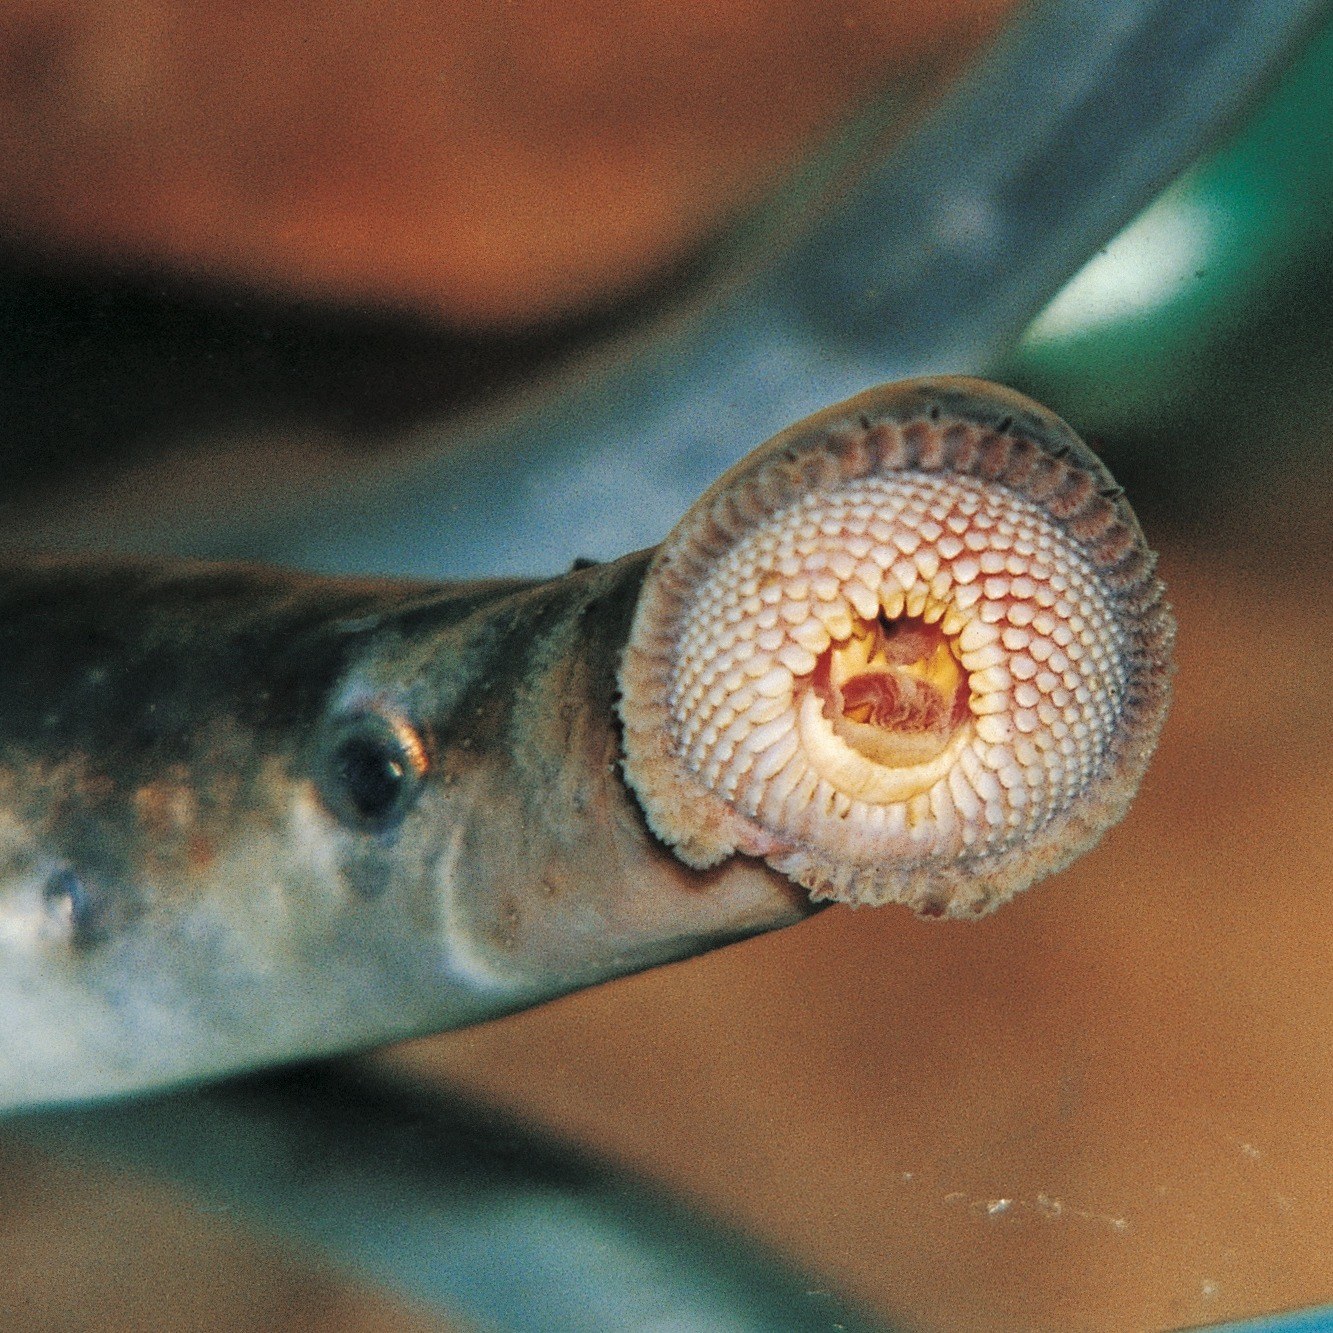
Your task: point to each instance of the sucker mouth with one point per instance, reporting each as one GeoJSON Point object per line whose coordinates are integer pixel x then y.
{"type": "Point", "coordinates": [920, 659]}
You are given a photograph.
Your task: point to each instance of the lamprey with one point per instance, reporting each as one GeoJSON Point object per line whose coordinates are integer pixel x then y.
{"type": "Point", "coordinates": [912, 649]}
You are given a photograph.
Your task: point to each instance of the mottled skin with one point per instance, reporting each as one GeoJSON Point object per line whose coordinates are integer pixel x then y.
{"type": "Point", "coordinates": [177, 900]}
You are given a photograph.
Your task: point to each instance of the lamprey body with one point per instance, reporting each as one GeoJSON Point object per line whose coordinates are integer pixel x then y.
{"type": "Point", "coordinates": [248, 816]}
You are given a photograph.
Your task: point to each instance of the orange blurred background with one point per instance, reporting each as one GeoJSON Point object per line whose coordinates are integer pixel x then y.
{"type": "Point", "coordinates": [491, 162]}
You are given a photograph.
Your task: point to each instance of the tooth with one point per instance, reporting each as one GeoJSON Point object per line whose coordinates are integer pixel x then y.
{"type": "Point", "coordinates": [837, 620]}
{"type": "Point", "coordinates": [991, 679]}
{"type": "Point", "coordinates": [865, 602]}
{"type": "Point", "coordinates": [774, 683]}
{"type": "Point", "coordinates": [798, 659]}
{"type": "Point", "coordinates": [977, 635]}
{"type": "Point", "coordinates": [811, 635]}
{"type": "Point", "coordinates": [980, 659]}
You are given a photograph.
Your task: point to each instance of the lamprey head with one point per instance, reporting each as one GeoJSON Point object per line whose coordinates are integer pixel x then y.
{"type": "Point", "coordinates": [911, 650]}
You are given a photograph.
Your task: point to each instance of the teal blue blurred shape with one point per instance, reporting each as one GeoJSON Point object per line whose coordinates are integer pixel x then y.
{"type": "Point", "coordinates": [1316, 1320]}
{"type": "Point", "coordinates": [451, 1205]}
{"type": "Point", "coordinates": [1116, 353]}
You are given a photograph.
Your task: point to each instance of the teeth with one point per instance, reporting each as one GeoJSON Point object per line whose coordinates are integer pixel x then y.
{"type": "Point", "coordinates": [965, 799]}
{"type": "Point", "coordinates": [905, 574]}
{"type": "Point", "coordinates": [981, 659]}
{"type": "Point", "coordinates": [977, 635]}
{"type": "Point", "coordinates": [992, 678]}
{"type": "Point", "coordinates": [864, 602]}
{"type": "Point", "coordinates": [786, 621]}
{"type": "Point", "coordinates": [766, 738]}
{"type": "Point", "coordinates": [769, 796]}
{"type": "Point", "coordinates": [798, 659]}
{"type": "Point", "coordinates": [811, 635]}
{"type": "Point", "coordinates": [837, 619]}
{"type": "Point", "coordinates": [943, 814]}
{"type": "Point", "coordinates": [928, 564]}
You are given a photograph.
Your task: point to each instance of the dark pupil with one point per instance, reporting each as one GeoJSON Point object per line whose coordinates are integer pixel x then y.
{"type": "Point", "coordinates": [371, 775]}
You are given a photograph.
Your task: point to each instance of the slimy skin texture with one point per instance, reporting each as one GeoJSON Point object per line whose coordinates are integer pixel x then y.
{"type": "Point", "coordinates": [189, 888]}
{"type": "Point", "coordinates": [911, 650]}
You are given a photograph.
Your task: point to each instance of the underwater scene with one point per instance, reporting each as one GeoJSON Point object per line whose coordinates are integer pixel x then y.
{"type": "Point", "coordinates": [661, 666]}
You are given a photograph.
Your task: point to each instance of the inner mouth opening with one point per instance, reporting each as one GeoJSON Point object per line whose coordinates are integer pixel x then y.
{"type": "Point", "coordinates": [894, 690]}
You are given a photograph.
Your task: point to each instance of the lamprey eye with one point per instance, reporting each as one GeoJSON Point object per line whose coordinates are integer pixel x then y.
{"type": "Point", "coordinates": [371, 770]}
{"type": "Point", "coordinates": [911, 650]}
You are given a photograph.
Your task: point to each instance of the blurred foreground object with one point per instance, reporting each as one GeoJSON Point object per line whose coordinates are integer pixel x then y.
{"type": "Point", "coordinates": [452, 1206]}
{"type": "Point", "coordinates": [933, 260]}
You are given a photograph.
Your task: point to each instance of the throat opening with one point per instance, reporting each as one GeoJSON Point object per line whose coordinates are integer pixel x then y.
{"type": "Point", "coordinates": [894, 690]}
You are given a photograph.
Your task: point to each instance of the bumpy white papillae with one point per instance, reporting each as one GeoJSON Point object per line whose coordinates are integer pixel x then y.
{"type": "Point", "coordinates": [910, 650]}
{"type": "Point", "coordinates": [1024, 615]}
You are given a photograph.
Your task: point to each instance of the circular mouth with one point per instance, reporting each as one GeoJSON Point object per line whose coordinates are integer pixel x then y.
{"type": "Point", "coordinates": [897, 681]}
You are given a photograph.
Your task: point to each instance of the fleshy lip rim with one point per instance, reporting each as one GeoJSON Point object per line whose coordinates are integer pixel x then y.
{"type": "Point", "coordinates": [937, 426]}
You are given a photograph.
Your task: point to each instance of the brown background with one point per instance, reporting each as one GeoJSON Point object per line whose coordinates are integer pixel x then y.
{"type": "Point", "coordinates": [493, 160]}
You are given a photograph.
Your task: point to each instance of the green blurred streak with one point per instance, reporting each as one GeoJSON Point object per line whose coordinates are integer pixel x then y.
{"type": "Point", "coordinates": [1266, 194]}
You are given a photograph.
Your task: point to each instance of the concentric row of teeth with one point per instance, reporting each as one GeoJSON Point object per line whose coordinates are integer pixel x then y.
{"type": "Point", "coordinates": [1025, 615]}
